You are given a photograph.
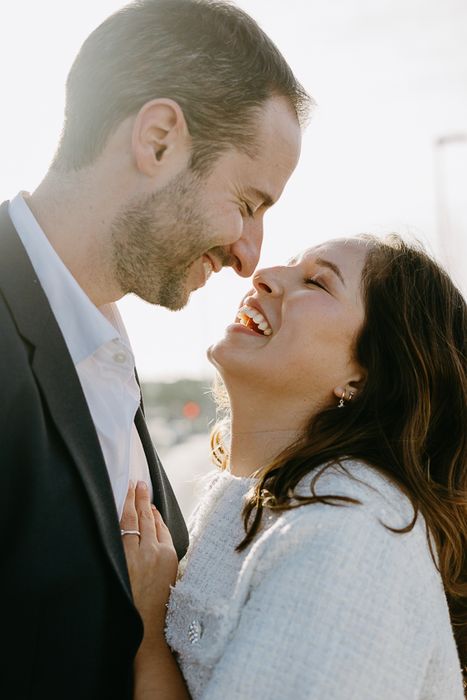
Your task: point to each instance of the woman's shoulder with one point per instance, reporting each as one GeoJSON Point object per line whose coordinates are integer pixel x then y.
{"type": "Point", "coordinates": [363, 527]}
{"type": "Point", "coordinates": [375, 491]}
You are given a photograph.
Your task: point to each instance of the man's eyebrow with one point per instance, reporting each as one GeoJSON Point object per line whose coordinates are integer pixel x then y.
{"type": "Point", "coordinates": [332, 266]}
{"type": "Point", "coordinates": [265, 198]}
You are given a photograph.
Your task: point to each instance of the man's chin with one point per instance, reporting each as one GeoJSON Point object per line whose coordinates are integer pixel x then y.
{"type": "Point", "coordinates": [170, 295]}
{"type": "Point", "coordinates": [175, 304]}
{"type": "Point", "coordinates": [178, 306]}
{"type": "Point", "coordinates": [170, 301]}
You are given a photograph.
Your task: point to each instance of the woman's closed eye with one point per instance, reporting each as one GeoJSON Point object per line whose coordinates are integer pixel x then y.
{"type": "Point", "coordinates": [312, 280]}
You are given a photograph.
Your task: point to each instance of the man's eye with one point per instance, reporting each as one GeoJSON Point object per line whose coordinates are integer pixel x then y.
{"type": "Point", "coordinates": [310, 280]}
{"type": "Point", "coordinates": [249, 210]}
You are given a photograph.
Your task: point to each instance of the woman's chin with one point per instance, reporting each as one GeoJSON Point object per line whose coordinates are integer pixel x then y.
{"type": "Point", "coordinates": [211, 354]}
{"type": "Point", "coordinates": [225, 358]}
{"type": "Point", "coordinates": [218, 356]}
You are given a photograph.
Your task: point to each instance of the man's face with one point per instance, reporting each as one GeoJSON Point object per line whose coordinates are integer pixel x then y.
{"type": "Point", "coordinates": [165, 245]}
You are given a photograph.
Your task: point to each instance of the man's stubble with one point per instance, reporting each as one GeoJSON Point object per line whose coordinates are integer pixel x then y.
{"type": "Point", "coordinates": [156, 239]}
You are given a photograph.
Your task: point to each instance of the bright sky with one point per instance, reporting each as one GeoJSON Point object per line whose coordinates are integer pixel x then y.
{"type": "Point", "coordinates": [390, 78]}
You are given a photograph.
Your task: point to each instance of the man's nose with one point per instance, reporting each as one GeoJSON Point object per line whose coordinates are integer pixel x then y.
{"type": "Point", "coordinates": [247, 249]}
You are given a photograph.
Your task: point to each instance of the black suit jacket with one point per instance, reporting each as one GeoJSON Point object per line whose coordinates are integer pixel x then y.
{"type": "Point", "coordinates": [68, 624]}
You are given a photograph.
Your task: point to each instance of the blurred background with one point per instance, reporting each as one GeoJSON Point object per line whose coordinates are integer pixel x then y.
{"type": "Point", "coordinates": [386, 150]}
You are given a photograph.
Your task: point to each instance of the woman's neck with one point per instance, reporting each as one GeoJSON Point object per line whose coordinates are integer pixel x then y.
{"type": "Point", "coordinates": [253, 449]}
{"type": "Point", "coordinates": [259, 432]}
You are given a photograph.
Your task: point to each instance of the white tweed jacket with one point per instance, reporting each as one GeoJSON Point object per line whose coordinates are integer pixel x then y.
{"type": "Point", "coordinates": [326, 604]}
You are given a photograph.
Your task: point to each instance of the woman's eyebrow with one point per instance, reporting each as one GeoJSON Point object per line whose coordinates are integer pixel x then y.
{"type": "Point", "coordinates": [322, 263]}
{"type": "Point", "coordinates": [332, 266]}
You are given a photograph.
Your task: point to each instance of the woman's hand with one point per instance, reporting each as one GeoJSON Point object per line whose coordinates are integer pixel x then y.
{"type": "Point", "coordinates": [152, 565]}
{"type": "Point", "coordinates": [151, 558]}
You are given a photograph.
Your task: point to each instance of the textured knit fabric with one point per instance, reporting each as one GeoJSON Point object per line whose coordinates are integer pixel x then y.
{"type": "Point", "coordinates": [326, 604]}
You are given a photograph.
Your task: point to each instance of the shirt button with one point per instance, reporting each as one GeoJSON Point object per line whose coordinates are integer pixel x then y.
{"type": "Point", "coordinates": [120, 357]}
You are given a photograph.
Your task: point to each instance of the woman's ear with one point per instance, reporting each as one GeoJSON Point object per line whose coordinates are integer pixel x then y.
{"type": "Point", "coordinates": [160, 138]}
{"type": "Point", "coordinates": [350, 389]}
{"type": "Point", "coordinates": [344, 392]}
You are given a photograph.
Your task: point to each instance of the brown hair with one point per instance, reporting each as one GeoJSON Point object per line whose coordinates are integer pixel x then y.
{"type": "Point", "coordinates": [210, 57]}
{"type": "Point", "coordinates": [408, 420]}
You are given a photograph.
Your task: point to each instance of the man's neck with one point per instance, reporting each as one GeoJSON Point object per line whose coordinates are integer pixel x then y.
{"type": "Point", "coordinates": [74, 218]}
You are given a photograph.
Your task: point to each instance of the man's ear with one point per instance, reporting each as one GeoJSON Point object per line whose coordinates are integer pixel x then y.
{"type": "Point", "coordinates": [160, 138]}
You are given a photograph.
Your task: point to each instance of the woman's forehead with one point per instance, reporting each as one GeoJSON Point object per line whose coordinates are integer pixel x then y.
{"type": "Point", "coordinates": [336, 247]}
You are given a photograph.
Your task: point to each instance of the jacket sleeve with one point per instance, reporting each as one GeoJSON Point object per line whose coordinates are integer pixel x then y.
{"type": "Point", "coordinates": [335, 612]}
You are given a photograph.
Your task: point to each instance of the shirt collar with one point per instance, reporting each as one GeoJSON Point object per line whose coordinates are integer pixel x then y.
{"type": "Point", "coordinates": [84, 327]}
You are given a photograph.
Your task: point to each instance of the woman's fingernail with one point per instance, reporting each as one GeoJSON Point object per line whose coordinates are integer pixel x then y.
{"type": "Point", "coordinates": [131, 484]}
{"type": "Point", "coordinates": [142, 485]}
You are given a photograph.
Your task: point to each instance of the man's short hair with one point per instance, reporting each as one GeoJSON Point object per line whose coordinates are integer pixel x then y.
{"type": "Point", "coordinates": [208, 56]}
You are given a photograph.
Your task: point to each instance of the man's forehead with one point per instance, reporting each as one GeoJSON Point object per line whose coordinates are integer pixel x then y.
{"type": "Point", "coordinates": [263, 171]}
{"type": "Point", "coordinates": [277, 115]}
{"type": "Point", "coordinates": [279, 136]}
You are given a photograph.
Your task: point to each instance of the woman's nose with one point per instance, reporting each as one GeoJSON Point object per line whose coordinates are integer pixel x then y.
{"type": "Point", "coordinates": [268, 280]}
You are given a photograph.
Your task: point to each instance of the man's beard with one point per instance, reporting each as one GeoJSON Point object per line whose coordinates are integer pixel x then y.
{"type": "Point", "coordinates": [156, 239]}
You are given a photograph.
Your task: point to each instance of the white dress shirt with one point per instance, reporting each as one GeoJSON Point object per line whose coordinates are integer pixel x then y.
{"type": "Point", "coordinates": [100, 349]}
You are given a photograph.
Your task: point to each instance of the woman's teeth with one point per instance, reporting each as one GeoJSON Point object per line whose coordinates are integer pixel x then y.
{"type": "Point", "coordinates": [246, 315]}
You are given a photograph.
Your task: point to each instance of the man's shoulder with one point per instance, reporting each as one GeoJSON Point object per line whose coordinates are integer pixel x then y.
{"type": "Point", "coordinates": [15, 352]}
{"type": "Point", "coordinates": [6, 223]}
{"type": "Point", "coordinates": [14, 261]}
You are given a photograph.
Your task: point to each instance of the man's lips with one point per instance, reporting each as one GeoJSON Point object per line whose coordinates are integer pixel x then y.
{"type": "Point", "coordinates": [215, 264]}
{"type": "Point", "coordinates": [208, 269]}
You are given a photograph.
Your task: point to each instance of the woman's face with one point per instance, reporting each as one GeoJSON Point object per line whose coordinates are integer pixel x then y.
{"type": "Point", "coordinates": [306, 316]}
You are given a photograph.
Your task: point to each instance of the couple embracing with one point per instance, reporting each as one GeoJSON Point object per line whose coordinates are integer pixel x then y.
{"type": "Point", "coordinates": [326, 558]}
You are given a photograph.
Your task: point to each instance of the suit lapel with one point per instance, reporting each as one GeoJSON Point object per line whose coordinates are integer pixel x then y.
{"type": "Point", "coordinates": [57, 378]}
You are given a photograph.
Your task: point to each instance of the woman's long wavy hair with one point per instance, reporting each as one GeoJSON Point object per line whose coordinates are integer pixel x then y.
{"type": "Point", "coordinates": [408, 420]}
